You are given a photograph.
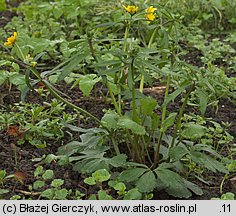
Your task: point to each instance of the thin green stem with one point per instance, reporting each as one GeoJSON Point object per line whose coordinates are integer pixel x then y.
{"type": "Point", "coordinates": [134, 110]}
{"type": "Point", "coordinates": [126, 34]}
{"type": "Point", "coordinates": [181, 111]}
{"type": "Point", "coordinates": [56, 95]}
{"type": "Point", "coordinates": [117, 107]}
{"type": "Point", "coordinates": [149, 45]}
{"type": "Point", "coordinates": [113, 98]}
{"type": "Point", "coordinates": [163, 116]}
{"type": "Point", "coordinates": [115, 145]}
{"type": "Point", "coordinates": [22, 55]}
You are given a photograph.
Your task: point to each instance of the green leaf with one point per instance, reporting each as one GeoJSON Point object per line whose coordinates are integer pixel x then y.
{"type": "Point", "coordinates": [177, 152]}
{"type": "Point", "coordinates": [169, 121]}
{"type": "Point", "coordinates": [69, 149]}
{"type": "Point", "coordinates": [48, 174]}
{"type": "Point", "coordinates": [148, 104]}
{"type": "Point", "coordinates": [38, 184]}
{"type": "Point", "coordinates": [3, 76]}
{"type": "Point", "coordinates": [193, 187]}
{"type": "Point", "coordinates": [101, 175]}
{"type": "Point", "coordinates": [67, 69]}
{"type": "Point", "coordinates": [147, 182]}
{"type": "Point", "coordinates": [174, 184]}
{"type": "Point", "coordinates": [90, 181]}
{"type": "Point", "coordinates": [61, 194]}
{"type": "Point", "coordinates": [38, 171]}
{"type": "Point", "coordinates": [5, 63]}
{"type": "Point", "coordinates": [118, 161]}
{"type": "Point", "coordinates": [47, 194]}
{"type": "Point", "coordinates": [92, 197]}
{"type": "Point", "coordinates": [203, 99]}
{"type": "Point", "coordinates": [39, 45]}
{"type": "Point", "coordinates": [131, 174]}
{"type": "Point", "coordinates": [110, 119]}
{"type": "Point", "coordinates": [227, 196]}
{"type": "Point", "coordinates": [15, 197]}
{"type": "Point", "coordinates": [208, 162]}
{"type": "Point", "coordinates": [126, 123]}
{"type": "Point", "coordinates": [57, 183]}
{"type": "Point", "coordinates": [50, 158]}
{"type": "Point", "coordinates": [87, 82]}
{"type": "Point", "coordinates": [3, 174]}
{"type": "Point", "coordinates": [120, 187]}
{"type": "Point", "coordinates": [133, 194]}
{"type": "Point", "coordinates": [102, 195]}
{"type": "Point", "coordinates": [193, 131]}
{"type": "Point", "coordinates": [178, 91]}
{"type": "Point", "coordinates": [3, 191]}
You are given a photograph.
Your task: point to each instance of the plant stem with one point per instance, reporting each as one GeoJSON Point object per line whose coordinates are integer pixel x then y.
{"type": "Point", "coordinates": [22, 55]}
{"type": "Point", "coordinates": [113, 98]}
{"type": "Point", "coordinates": [92, 49]}
{"type": "Point", "coordinates": [56, 95]}
{"type": "Point", "coordinates": [178, 123]}
{"type": "Point", "coordinates": [134, 111]}
{"type": "Point", "coordinates": [117, 150]}
{"type": "Point", "coordinates": [149, 46]}
{"type": "Point", "coordinates": [163, 116]}
{"type": "Point", "coordinates": [126, 34]}
{"type": "Point", "coordinates": [117, 107]}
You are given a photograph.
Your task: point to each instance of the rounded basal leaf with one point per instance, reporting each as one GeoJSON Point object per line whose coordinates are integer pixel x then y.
{"type": "Point", "coordinates": [133, 194]}
{"type": "Point", "coordinates": [38, 171]}
{"type": "Point", "coordinates": [120, 187]}
{"type": "Point", "coordinates": [90, 181]}
{"type": "Point", "coordinates": [38, 184]}
{"type": "Point", "coordinates": [227, 196]}
{"type": "Point", "coordinates": [193, 131]}
{"type": "Point", "coordinates": [48, 174]}
{"type": "Point", "coordinates": [61, 194]}
{"type": "Point", "coordinates": [102, 195]}
{"type": "Point", "coordinates": [47, 194]}
{"type": "Point", "coordinates": [57, 183]}
{"type": "Point", "coordinates": [101, 175]}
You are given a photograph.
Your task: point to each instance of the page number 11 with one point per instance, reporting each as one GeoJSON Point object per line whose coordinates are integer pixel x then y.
{"type": "Point", "coordinates": [225, 208]}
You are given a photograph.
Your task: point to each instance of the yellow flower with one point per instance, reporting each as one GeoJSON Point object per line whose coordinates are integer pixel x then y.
{"type": "Point", "coordinates": [151, 9]}
{"type": "Point", "coordinates": [132, 9]}
{"type": "Point", "coordinates": [11, 40]}
{"type": "Point", "coordinates": [150, 13]}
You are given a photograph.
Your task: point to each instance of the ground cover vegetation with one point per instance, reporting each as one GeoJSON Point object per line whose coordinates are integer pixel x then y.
{"type": "Point", "coordinates": [118, 100]}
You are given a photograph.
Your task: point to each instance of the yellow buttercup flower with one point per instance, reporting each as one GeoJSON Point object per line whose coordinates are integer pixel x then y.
{"type": "Point", "coordinates": [131, 9]}
{"type": "Point", "coordinates": [150, 13]}
{"type": "Point", "coordinates": [151, 9]}
{"type": "Point", "coordinates": [11, 40]}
